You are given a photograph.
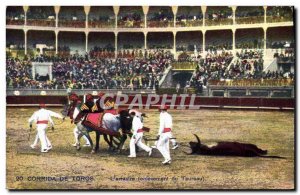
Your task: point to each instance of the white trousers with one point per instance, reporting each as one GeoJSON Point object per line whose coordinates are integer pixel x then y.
{"type": "Point", "coordinates": [173, 141]}
{"type": "Point", "coordinates": [137, 141]}
{"type": "Point", "coordinates": [76, 133]}
{"type": "Point", "coordinates": [36, 140]}
{"type": "Point", "coordinates": [163, 145]}
{"type": "Point", "coordinates": [41, 132]}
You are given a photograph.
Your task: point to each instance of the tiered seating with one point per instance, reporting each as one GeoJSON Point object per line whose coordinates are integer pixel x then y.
{"type": "Point", "coordinates": [249, 15]}
{"type": "Point", "coordinates": [218, 15]}
{"type": "Point", "coordinates": [41, 16]}
{"type": "Point", "coordinates": [160, 17]}
{"type": "Point", "coordinates": [72, 16]}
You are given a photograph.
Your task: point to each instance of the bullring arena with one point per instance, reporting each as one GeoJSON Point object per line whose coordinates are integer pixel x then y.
{"type": "Point", "coordinates": [242, 83]}
{"type": "Point", "coordinates": [271, 130]}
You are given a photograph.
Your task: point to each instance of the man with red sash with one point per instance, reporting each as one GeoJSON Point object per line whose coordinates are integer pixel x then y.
{"type": "Point", "coordinates": [137, 134]}
{"type": "Point", "coordinates": [164, 134]}
{"type": "Point", "coordinates": [42, 117]}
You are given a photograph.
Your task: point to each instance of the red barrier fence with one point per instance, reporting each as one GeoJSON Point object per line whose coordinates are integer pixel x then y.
{"type": "Point", "coordinates": [256, 102]}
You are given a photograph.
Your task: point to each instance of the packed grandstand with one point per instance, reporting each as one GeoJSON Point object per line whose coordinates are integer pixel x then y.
{"type": "Point", "coordinates": [135, 47]}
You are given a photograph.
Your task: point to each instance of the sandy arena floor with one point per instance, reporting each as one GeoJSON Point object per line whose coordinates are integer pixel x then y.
{"type": "Point", "coordinates": [273, 131]}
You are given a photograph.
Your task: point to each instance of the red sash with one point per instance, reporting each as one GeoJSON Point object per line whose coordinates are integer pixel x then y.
{"type": "Point", "coordinates": [42, 122]}
{"type": "Point", "coordinates": [167, 130]}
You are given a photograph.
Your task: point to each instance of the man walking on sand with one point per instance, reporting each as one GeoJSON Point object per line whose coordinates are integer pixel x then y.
{"type": "Point", "coordinates": [42, 117]}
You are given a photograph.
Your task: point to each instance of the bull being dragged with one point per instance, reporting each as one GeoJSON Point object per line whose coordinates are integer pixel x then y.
{"type": "Point", "coordinates": [228, 149]}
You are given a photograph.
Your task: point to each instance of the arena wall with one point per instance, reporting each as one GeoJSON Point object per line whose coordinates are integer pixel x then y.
{"type": "Point", "coordinates": [201, 102]}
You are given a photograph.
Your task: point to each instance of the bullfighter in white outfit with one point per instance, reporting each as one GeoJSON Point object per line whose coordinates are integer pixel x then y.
{"type": "Point", "coordinates": [164, 134]}
{"type": "Point", "coordinates": [136, 139]}
{"type": "Point", "coordinates": [42, 117]}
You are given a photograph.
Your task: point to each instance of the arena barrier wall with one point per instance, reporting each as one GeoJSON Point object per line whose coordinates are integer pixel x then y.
{"type": "Point", "coordinates": [203, 102]}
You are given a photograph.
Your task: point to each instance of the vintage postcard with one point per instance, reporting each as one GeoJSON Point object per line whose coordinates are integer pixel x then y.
{"type": "Point", "coordinates": [150, 97]}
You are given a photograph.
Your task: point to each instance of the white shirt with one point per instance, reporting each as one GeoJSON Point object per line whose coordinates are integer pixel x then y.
{"type": "Point", "coordinates": [44, 115]}
{"type": "Point", "coordinates": [165, 121]}
{"type": "Point", "coordinates": [136, 124]}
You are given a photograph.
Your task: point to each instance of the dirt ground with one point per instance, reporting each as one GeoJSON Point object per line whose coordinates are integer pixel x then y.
{"type": "Point", "coordinates": [66, 168]}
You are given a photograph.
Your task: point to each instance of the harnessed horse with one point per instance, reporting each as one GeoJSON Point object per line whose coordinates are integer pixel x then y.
{"type": "Point", "coordinates": [110, 125]}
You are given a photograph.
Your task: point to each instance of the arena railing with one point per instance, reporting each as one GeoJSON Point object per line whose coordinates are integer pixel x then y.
{"type": "Point", "coordinates": [274, 19]}
{"type": "Point", "coordinates": [222, 21]}
{"type": "Point", "coordinates": [71, 23]}
{"type": "Point", "coordinates": [156, 24]}
{"type": "Point", "coordinates": [15, 22]}
{"type": "Point", "coordinates": [251, 91]}
{"type": "Point", "coordinates": [189, 23]}
{"type": "Point", "coordinates": [101, 24]}
{"type": "Point", "coordinates": [253, 82]}
{"type": "Point", "coordinates": [40, 22]}
{"type": "Point", "coordinates": [131, 24]}
{"type": "Point", "coordinates": [249, 20]}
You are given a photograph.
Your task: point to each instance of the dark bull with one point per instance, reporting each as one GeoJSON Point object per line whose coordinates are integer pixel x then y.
{"type": "Point", "coordinates": [228, 149]}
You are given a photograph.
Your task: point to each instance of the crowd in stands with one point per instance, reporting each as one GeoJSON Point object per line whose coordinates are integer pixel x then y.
{"type": "Point", "coordinates": [281, 44]}
{"type": "Point", "coordinates": [102, 22]}
{"type": "Point", "coordinates": [134, 53]}
{"type": "Point", "coordinates": [103, 52]}
{"type": "Point", "coordinates": [216, 47]}
{"type": "Point", "coordinates": [219, 17]}
{"type": "Point", "coordinates": [162, 18]}
{"type": "Point", "coordinates": [187, 47]}
{"type": "Point", "coordinates": [15, 15]}
{"type": "Point", "coordinates": [72, 17]}
{"type": "Point", "coordinates": [248, 44]}
{"type": "Point", "coordinates": [75, 17]}
{"type": "Point", "coordinates": [219, 67]}
{"type": "Point", "coordinates": [249, 15]}
{"type": "Point", "coordinates": [40, 16]}
{"type": "Point", "coordinates": [63, 51]}
{"type": "Point", "coordinates": [159, 46]}
{"type": "Point", "coordinates": [212, 66]}
{"type": "Point", "coordinates": [186, 20]}
{"type": "Point", "coordinates": [137, 70]}
{"type": "Point", "coordinates": [101, 17]}
{"type": "Point", "coordinates": [279, 13]}
{"type": "Point", "coordinates": [18, 73]}
{"type": "Point", "coordinates": [286, 56]}
{"type": "Point", "coordinates": [131, 20]}
{"type": "Point", "coordinates": [84, 72]}
{"type": "Point", "coordinates": [250, 54]}
{"type": "Point", "coordinates": [15, 46]}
